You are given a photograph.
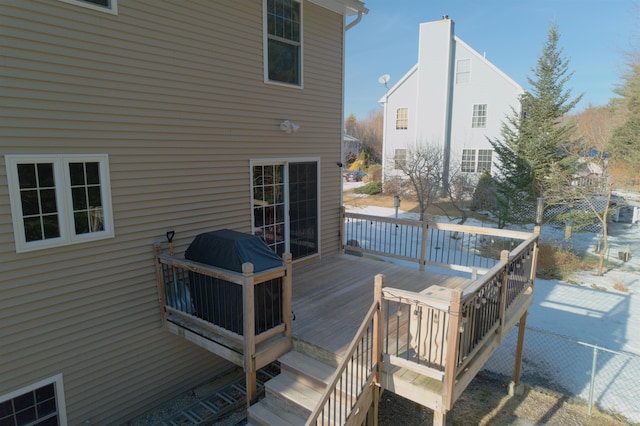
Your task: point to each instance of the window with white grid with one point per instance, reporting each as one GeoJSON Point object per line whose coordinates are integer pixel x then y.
{"type": "Point", "coordinates": [479, 120]}
{"type": "Point", "coordinates": [283, 33]}
{"type": "Point", "coordinates": [402, 118]}
{"type": "Point", "coordinates": [468, 160]}
{"type": "Point", "coordinates": [39, 404]}
{"type": "Point", "coordinates": [400, 159]}
{"type": "Point", "coordinates": [463, 71]}
{"type": "Point", "coordinates": [59, 199]}
{"type": "Point", "coordinates": [485, 160]}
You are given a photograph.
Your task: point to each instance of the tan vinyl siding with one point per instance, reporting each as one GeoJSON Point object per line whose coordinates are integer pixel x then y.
{"type": "Point", "coordinates": [173, 92]}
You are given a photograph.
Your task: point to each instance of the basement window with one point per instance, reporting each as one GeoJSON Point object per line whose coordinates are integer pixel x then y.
{"type": "Point", "coordinates": [109, 6]}
{"type": "Point", "coordinates": [40, 404]}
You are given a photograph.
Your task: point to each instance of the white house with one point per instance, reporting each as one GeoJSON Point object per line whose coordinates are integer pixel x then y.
{"type": "Point", "coordinates": [453, 97]}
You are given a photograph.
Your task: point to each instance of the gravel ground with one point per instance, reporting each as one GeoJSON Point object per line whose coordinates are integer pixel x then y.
{"type": "Point", "coordinates": [484, 402]}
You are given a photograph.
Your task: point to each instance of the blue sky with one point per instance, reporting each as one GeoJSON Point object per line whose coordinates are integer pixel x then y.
{"type": "Point", "coordinates": [594, 35]}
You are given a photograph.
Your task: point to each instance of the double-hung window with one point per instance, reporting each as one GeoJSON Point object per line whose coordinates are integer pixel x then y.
{"type": "Point", "coordinates": [463, 71]}
{"type": "Point", "coordinates": [468, 161]}
{"type": "Point", "coordinates": [59, 199]}
{"type": "Point", "coordinates": [400, 159]}
{"type": "Point", "coordinates": [485, 159]}
{"type": "Point", "coordinates": [402, 118]}
{"type": "Point", "coordinates": [479, 119]}
{"type": "Point", "coordinates": [283, 45]}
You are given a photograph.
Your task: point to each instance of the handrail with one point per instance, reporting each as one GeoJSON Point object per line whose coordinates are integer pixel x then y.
{"type": "Point", "coordinates": [373, 315]}
{"type": "Point", "coordinates": [497, 232]}
{"type": "Point", "coordinates": [458, 247]}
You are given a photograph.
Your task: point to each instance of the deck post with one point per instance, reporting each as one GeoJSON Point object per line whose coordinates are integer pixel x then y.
{"type": "Point", "coordinates": [342, 228]}
{"type": "Point", "coordinates": [423, 244]}
{"type": "Point", "coordinates": [450, 363]}
{"type": "Point", "coordinates": [504, 288]}
{"type": "Point", "coordinates": [534, 260]}
{"type": "Point", "coordinates": [162, 298]}
{"type": "Point", "coordinates": [287, 291]}
{"type": "Point", "coordinates": [378, 339]}
{"type": "Point", "coordinates": [248, 331]}
{"type": "Point", "coordinates": [515, 387]}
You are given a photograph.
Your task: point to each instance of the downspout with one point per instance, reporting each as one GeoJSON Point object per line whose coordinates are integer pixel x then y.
{"type": "Point", "coordinates": [354, 22]}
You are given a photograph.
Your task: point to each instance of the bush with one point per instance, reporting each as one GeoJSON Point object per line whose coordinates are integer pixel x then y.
{"type": "Point", "coordinates": [484, 198]}
{"type": "Point", "coordinates": [557, 261]}
{"type": "Point", "coordinates": [374, 187]}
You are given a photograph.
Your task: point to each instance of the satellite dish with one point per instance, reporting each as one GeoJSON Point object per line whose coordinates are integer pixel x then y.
{"type": "Point", "coordinates": [384, 79]}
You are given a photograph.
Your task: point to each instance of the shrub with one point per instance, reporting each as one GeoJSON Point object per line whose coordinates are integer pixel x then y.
{"type": "Point", "coordinates": [484, 198]}
{"type": "Point", "coordinates": [557, 261]}
{"type": "Point", "coordinates": [374, 187]}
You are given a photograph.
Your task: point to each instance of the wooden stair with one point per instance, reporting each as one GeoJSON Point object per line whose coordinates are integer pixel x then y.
{"type": "Point", "coordinates": [293, 394]}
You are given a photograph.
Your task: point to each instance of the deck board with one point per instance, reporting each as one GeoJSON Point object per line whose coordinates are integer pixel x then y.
{"type": "Point", "coordinates": [332, 295]}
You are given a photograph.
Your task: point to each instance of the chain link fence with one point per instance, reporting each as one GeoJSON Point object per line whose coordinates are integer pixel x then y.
{"type": "Point", "coordinates": [601, 377]}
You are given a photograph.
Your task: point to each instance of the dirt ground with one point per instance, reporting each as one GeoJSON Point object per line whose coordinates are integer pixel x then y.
{"type": "Point", "coordinates": [486, 402]}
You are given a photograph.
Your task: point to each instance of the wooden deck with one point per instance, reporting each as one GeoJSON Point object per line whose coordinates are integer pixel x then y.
{"type": "Point", "coordinates": [331, 296]}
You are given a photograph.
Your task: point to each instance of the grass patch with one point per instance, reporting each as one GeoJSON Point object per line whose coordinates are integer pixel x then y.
{"type": "Point", "coordinates": [598, 287]}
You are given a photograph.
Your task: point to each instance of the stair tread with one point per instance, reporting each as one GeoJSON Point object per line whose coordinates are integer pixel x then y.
{"type": "Point", "coordinates": [292, 390]}
{"type": "Point", "coordinates": [265, 414]}
{"type": "Point", "coordinates": [306, 365]}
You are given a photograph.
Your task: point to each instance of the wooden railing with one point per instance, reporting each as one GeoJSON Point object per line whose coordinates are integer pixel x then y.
{"type": "Point", "coordinates": [440, 331]}
{"type": "Point", "coordinates": [241, 309]}
{"type": "Point", "coordinates": [353, 388]}
{"type": "Point", "coordinates": [457, 247]}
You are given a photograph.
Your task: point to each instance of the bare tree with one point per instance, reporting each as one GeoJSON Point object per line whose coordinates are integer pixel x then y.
{"type": "Point", "coordinates": [422, 168]}
{"type": "Point", "coordinates": [459, 191]}
{"type": "Point", "coordinates": [369, 132]}
{"type": "Point", "coordinates": [582, 182]}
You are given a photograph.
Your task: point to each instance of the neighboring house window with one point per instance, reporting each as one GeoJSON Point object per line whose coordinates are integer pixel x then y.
{"type": "Point", "coordinates": [479, 119]}
{"type": "Point", "coordinates": [402, 118]}
{"type": "Point", "coordinates": [285, 206]}
{"type": "Point", "coordinates": [485, 159]}
{"type": "Point", "coordinates": [110, 6]}
{"type": "Point", "coordinates": [40, 404]}
{"type": "Point", "coordinates": [400, 159]}
{"type": "Point", "coordinates": [59, 199]}
{"type": "Point", "coordinates": [468, 160]}
{"type": "Point", "coordinates": [283, 41]}
{"type": "Point", "coordinates": [463, 71]}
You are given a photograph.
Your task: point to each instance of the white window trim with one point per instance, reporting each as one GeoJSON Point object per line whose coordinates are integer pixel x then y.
{"type": "Point", "coordinates": [265, 48]}
{"type": "Point", "coordinates": [475, 119]}
{"type": "Point", "coordinates": [113, 9]}
{"type": "Point", "coordinates": [285, 161]}
{"type": "Point", "coordinates": [63, 200]}
{"type": "Point", "coordinates": [466, 73]}
{"type": "Point", "coordinates": [59, 387]}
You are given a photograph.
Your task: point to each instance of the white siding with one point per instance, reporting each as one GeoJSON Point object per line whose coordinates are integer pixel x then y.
{"type": "Point", "coordinates": [173, 92]}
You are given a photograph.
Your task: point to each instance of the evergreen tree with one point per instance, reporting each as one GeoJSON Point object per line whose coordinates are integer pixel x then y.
{"type": "Point", "coordinates": [532, 141]}
{"type": "Point", "coordinates": [625, 141]}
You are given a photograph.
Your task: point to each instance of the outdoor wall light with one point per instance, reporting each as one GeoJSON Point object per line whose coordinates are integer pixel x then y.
{"type": "Point", "coordinates": [289, 126]}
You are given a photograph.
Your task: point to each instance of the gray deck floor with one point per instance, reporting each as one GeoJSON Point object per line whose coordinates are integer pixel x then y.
{"type": "Point", "coordinates": [332, 295]}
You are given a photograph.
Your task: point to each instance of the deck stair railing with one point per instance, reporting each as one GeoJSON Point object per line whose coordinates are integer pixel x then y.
{"type": "Point", "coordinates": [237, 311]}
{"type": "Point", "coordinates": [353, 391]}
{"type": "Point", "coordinates": [457, 247]}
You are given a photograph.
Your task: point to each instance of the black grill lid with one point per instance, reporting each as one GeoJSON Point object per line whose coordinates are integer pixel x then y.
{"type": "Point", "coordinates": [229, 249]}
